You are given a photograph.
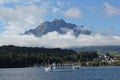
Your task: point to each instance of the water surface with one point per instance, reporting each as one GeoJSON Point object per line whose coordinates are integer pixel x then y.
{"type": "Point", "coordinates": [84, 73]}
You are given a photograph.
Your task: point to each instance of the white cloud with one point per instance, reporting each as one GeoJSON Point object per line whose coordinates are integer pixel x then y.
{"type": "Point", "coordinates": [54, 39]}
{"type": "Point", "coordinates": [55, 10]}
{"type": "Point", "coordinates": [73, 13]}
{"type": "Point", "coordinates": [63, 3]}
{"type": "Point", "coordinates": [111, 10]}
{"type": "Point", "coordinates": [21, 18]}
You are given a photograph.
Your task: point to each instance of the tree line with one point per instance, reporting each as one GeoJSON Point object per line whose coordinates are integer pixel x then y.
{"type": "Point", "coordinates": [13, 56]}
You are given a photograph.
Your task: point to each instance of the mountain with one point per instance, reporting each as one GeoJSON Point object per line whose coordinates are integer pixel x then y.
{"type": "Point", "coordinates": [58, 25]}
{"type": "Point", "coordinates": [115, 50]}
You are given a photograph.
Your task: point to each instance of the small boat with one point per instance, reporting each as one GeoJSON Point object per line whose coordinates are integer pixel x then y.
{"type": "Point", "coordinates": [61, 67]}
{"type": "Point", "coordinates": [76, 67]}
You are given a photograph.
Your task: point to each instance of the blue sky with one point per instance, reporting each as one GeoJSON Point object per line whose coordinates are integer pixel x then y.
{"type": "Point", "coordinates": [100, 16]}
{"type": "Point", "coordinates": [94, 16]}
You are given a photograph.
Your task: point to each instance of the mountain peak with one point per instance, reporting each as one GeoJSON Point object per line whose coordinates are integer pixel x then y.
{"type": "Point", "coordinates": [58, 20]}
{"type": "Point", "coordinates": [58, 25]}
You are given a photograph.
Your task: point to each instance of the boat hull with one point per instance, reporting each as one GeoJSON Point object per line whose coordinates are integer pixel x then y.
{"type": "Point", "coordinates": [46, 69]}
{"type": "Point", "coordinates": [65, 67]}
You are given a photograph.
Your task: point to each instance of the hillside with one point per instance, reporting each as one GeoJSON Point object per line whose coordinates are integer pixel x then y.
{"type": "Point", "coordinates": [115, 50]}
{"type": "Point", "coordinates": [29, 50]}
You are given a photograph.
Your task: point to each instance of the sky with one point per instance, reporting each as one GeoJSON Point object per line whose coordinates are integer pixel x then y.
{"type": "Point", "coordinates": [100, 16]}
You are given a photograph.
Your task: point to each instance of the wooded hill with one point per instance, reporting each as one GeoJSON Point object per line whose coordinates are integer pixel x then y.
{"type": "Point", "coordinates": [13, 56]}
{"type": "Point", "coordinates": [30, 50]}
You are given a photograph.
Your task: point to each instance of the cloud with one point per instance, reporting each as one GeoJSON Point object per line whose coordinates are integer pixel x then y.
{"type": "Point", "coordinates": [21, 18]}
{"type": "Point", "coordinates": [63, 3]}
{"type": "Point", "coordinates": [56, 10]}
{"type": "Point", "coordinates": [111, 10]}
{"type": "Point", "coordinates": [55, 40]}
{"type": "Point", "coordinates": [73, 13]}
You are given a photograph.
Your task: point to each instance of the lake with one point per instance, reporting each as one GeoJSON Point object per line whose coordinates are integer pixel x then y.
{"type": "Point", "coordinates": [84, 73]}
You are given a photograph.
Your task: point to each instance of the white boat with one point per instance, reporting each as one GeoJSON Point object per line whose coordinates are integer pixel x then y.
{"type": "Point", "coordinates": [61, 67]}
{"type": "Point", "coordinates": [76, 67]}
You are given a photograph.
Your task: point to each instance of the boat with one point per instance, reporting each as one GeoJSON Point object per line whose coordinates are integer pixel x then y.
{"type": "Point", "coordinates": [76, 67]}
{"type": "Point", "coordinates": [61, 67]}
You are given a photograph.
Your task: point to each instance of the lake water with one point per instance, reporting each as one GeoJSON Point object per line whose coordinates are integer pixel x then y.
{"type": "Point", "coordinates": [84, 73]}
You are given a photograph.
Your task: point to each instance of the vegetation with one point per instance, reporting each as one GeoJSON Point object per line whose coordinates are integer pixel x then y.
{"type": "Point", "coordinates": [13, 56]}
